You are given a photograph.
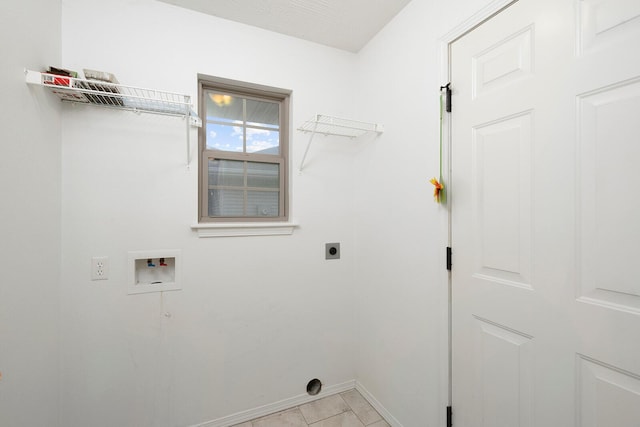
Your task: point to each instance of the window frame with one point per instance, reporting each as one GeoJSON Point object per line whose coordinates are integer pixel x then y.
{"type": "Point", "coordinates": [249, 91]}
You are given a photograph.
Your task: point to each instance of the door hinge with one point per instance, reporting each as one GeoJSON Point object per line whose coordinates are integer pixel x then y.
{"type": "Point", "coordinates": [448, 258]}
{"type": "Point", "coordinates": [447, 89]}
{"type": "Point", "coordinates": [449, 417]}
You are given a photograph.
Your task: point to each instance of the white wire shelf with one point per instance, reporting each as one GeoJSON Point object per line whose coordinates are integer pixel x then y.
{"type": "Point", "coordinates": [113, 94]}
{"type": "Point", "coordinates": [329, 125]}
{"type": "Point", "coordinates": [118, 96]}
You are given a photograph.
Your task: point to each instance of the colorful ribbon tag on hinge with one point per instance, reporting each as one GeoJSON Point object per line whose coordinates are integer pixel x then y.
{"type": "Point", "coordinates": [437, 189]}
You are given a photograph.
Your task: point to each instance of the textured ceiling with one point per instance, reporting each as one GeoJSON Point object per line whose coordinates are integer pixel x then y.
{"type": "Point", "coordinates": [343, 24]}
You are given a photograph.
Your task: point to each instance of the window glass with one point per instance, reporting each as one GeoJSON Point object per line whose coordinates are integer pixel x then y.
{"type": "Point", "coordinates": [263, 175]}
{"type": "Point", "coordinates": [224, 108]}
{"type": "Point", "coordinates": [226, 203]}
{"type": "Point", "coordinates": [263, 141]}
{"type": "Point", "coordinates": [228, 173]}
{"type": "Point", "coordinates": [261, 113]}
{"type": "Point", "coordinates": [225, 137]}
{"type": "Point", "coordinates": [262, 203]}
{"type": "Point", "coordinates": [243, 146]}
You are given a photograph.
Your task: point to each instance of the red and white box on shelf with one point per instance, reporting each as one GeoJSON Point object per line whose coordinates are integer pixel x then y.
{"type": "Point", "coordinates": [53, 79]}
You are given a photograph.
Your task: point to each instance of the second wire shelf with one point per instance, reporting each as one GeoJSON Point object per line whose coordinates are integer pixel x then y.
{"type": "Point", "coordinates": [330, 125]}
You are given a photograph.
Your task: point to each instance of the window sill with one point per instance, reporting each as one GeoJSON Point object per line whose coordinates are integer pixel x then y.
{"type": "Point", "coordinates": [244, 229]}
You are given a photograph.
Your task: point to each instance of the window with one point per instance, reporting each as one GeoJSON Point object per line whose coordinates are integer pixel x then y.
{"type": "Point", "coordinates": [244, 144]}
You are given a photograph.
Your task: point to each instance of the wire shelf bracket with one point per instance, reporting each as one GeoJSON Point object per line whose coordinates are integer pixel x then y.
{"type": "Point", "coordinates": [329, 125]}
{"type": "Point", "coordinates": [118, 96]}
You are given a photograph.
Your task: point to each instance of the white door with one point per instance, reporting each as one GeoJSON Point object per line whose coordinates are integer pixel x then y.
{"type": "Point", "coordinates": [545, 199]}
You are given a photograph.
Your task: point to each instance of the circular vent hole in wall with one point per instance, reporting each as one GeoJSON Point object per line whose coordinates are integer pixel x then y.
{"type": "Point", "coordinates": [314, 387]}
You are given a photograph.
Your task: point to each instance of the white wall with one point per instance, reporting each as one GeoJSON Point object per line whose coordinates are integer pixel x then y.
{"type": "Point", "coordinates": [30, 227]}
{"type": "Point", "coordinates": [258, 317]}
{"type": "Point", "coordinates": [401, 232]}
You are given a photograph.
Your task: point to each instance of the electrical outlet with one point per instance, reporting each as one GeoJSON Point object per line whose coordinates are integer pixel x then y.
{"type": "Point", "coordinates": [332, 251]}
{"type": "Point", "coordinates": [99, 268]}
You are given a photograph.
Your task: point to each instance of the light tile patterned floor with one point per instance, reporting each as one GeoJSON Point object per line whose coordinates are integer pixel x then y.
{"type": "Point", "coordinates": [348, 409]}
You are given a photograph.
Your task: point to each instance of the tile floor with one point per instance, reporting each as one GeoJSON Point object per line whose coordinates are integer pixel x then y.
{"type": "Point", "coordinates": [348, 409]}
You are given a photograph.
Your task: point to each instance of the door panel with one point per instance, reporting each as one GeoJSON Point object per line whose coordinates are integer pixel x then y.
{"type": "Point", "coordinates": [605, 394]}
{"type": "Point", "coordinates": [501, 172]}
{"type": "Point", "coordinates": [603, 23]}
{"type": "Point", "coordinates": [608, 155]}
{"type": "Point", "coordinates": [505, 382]}
{"type": "Point", "coordinates": [544, 200]}
{"type": "Point", "coordinates": [507, 60]}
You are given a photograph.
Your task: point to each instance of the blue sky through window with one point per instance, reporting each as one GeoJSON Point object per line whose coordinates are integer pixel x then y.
{"type": "Point", "coordinates": [230, 138]}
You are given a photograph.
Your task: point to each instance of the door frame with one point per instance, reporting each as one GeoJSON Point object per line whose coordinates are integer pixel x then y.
{"type": "Point", "coordinates": [444, 42]}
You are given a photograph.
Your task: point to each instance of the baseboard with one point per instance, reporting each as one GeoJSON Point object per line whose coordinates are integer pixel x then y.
{"type": "Point", "coordinates": [390, 419]}
{"type": "Point", "coordinates": [282, 405]}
